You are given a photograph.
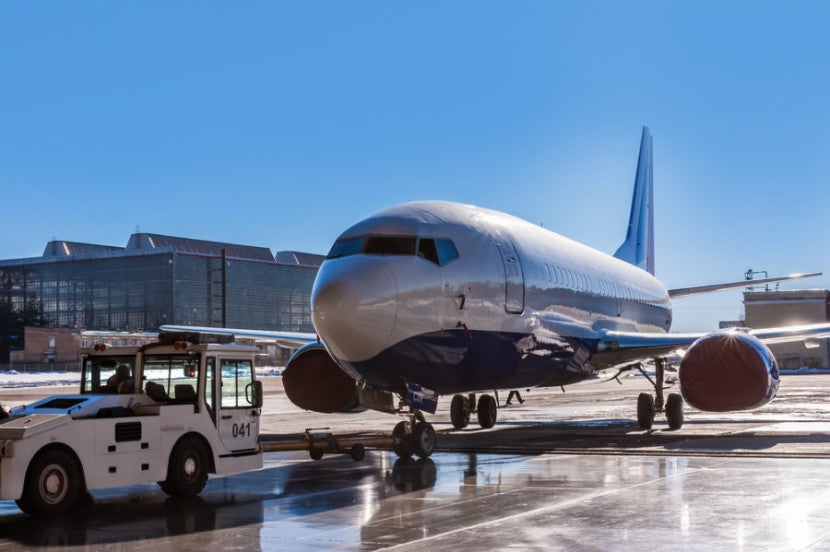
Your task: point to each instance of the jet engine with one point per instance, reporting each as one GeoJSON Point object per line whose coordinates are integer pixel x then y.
{"type": "Point", "coordinates": [728, 371]}
{"type": "Point", "coordinates": [313, 381]}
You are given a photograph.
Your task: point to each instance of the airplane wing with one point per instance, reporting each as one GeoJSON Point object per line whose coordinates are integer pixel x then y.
{"type": "Point", "coordinates": [614, 348]}
{"type": "Point", "coordinates": [289, 340]}
{"type": "Point", "coordinates": [685, 292]}
{"type": "Point", "coordinates": [611, 348]}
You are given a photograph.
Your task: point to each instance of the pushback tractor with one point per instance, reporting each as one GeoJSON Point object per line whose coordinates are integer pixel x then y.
{"type": "Point", "coordinates": [170, 412]}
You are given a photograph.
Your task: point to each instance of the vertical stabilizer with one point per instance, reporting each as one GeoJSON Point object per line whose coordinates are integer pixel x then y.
{"type": "Point", "coordinates": [638, 247]}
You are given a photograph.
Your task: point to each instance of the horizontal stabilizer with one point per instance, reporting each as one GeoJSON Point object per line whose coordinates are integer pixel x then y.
{"type": "Point", "coordinates": [685, 292]}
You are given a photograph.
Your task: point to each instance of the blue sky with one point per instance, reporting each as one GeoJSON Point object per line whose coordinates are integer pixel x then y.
{"type": "Point", "coordinates": [281, 124]}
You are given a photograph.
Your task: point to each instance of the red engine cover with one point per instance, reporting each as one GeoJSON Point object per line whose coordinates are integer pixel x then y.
{"type": "Point", "coordinates": [313, 381]}
{"type": "Point", "coordinates": [728, 371]}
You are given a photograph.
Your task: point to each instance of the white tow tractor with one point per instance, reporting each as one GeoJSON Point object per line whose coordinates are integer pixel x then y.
{"type": "Point", "coordinates": [170, 412]}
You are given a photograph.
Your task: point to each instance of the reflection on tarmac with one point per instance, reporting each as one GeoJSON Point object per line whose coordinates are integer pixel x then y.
{"type": "Point", "coordinates": [461, 501]}
{"type": "Point", "coordinates": [136, 520]}
{"type": "Point", "coordinates": [140, 514]}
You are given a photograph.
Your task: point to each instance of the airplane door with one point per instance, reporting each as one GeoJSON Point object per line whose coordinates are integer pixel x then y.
{"type": "Point", "coordinates": [514, 285]}
{"type": "Point", "coordinates": [238, 420]}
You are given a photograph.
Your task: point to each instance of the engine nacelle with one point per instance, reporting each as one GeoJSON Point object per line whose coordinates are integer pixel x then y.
{"type": "Point", "coordinates": [728, 371]}
{"type": "Point", "coordinates": [313, 381]}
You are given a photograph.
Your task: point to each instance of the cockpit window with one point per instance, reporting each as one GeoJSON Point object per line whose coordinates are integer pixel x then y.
{"type": "Point", "coordinates": [344, 248]}
{"type": "Point", "coordinates": [388, 245]}
{"type": "Point", "coordinates": [440, 251]}
{"type": "Point", "coordinates": [426, 250]}
{"type": "Point", "coordinates": [446, 251]}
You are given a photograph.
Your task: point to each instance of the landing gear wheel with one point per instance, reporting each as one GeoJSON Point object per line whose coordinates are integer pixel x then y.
{"type": "Point", "coordinates": [187, 471]}
{"type": "Point", "coordinates": [487, 411]}
{"type": "Point", "coordinates": [459, 415]}
{"type": "Point", "coordinates": [645, 410]}
{"type": "Point", "coordinates": [674, 411]}
{"type": "Point", "coordinates": [357, 452]}
{"type": "Point", "coordinates": [315, 453]}
{"type": "Point", "coordinates": [403, 445]}
{"type": "Point", "coordinates": [423, 439]}
{"type": "Point", "coordinates": [52, 484]}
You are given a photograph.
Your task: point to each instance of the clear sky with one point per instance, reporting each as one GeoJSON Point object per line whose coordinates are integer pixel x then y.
{"type": "Point", "coordinates": [280, 124]}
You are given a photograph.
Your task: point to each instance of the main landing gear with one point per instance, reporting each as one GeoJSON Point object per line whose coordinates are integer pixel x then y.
{"type": "Point", "coordinates": [648, 405]}
{"type": "Point", "coordinates": [414, 436]}
{"type": "Point", "coordinates": [461, 407]}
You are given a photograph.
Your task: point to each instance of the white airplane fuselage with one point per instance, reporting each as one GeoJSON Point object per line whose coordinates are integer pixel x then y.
{"type": "Point", "coordinates": [391, 310]}
{"type": "Point", "coordinates": [434, 298]}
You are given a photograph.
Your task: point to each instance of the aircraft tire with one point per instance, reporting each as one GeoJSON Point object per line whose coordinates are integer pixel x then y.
{"type": "Point", "coordinates": [187, 471]}
{"type": "Point", "coordinates": [459, 415]}
{"type": "Point", "coordinates": [315, 453]}
{"type": "Point", "coordinates": [52, 485]}
{"type": "Point", "coordinates": [487, 411]}
{"type": "Point", "coordinates": [674, 410]}
{"type": "Point", "coordinates": [645, 410]}
{"type": "Point", "coordinates": [403, 444]}
{"type": "Point", "coordinates": [423, 439]}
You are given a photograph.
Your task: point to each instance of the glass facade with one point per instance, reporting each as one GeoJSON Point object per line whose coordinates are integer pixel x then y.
{"type": "Point", "coordinates": [119, 291]}
{"type": "Point", "coordinates": [293, 297]}
{"type": "Point", "coordinates": [159, 280]}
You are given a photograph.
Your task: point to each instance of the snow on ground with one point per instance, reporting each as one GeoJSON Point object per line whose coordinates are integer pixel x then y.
{"type": "Point", "coordinates": [14, 379]}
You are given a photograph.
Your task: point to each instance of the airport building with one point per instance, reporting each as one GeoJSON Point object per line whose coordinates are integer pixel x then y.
{"type": "Point", "coordinates": [57, 348]}
{"type": "Point", "coordinates": [765, 309]}
{"type": "Point", "coordinates": [157, 280]}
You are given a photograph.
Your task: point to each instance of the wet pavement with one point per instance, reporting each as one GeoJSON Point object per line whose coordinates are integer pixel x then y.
{"type": "Point", "coordinates": [586, 479]}
{"type": "Point", "coordinates": [462, 501]}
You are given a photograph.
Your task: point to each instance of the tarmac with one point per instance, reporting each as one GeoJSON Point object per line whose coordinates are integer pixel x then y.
{"type": "Point", "coordinates": [565, 471]}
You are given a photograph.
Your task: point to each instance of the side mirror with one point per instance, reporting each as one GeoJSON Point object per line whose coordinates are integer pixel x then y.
{"type": "Point", "coordinates": [257, 398]}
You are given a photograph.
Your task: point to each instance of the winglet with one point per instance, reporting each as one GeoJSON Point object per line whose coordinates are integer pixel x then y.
{"type": "Point", "coordinates": [638, 247]}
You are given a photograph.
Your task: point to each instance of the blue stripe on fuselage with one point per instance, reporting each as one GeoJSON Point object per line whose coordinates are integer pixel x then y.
{"type": "Point", "coordinates": [445, 362]}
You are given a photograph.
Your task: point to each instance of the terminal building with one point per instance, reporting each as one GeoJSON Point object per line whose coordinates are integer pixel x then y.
{"type": "Point", "coordinates": [158, 280]}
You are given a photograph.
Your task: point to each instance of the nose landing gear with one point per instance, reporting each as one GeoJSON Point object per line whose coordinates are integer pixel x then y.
{"type": "Point", "coordinates": [414, 436]}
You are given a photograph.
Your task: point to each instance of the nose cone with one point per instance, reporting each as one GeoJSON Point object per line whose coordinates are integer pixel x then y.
{"type": "Point", "coordinates": [354, 306]}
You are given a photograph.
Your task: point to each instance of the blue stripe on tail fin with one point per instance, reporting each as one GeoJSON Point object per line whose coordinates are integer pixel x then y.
{"type": "Point", "coordinates": [638, 247]}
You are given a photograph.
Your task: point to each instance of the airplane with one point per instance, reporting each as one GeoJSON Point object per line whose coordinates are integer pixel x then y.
{"type": "Point", "coordinates": [436, 298]}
